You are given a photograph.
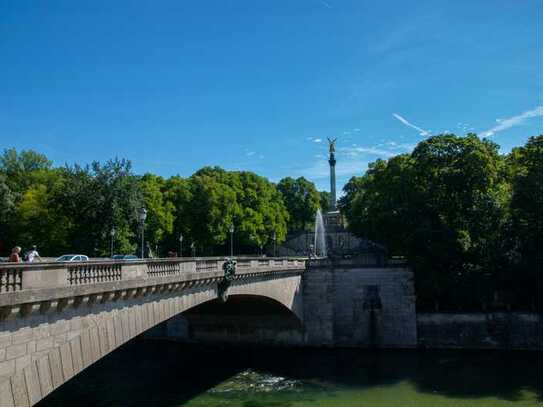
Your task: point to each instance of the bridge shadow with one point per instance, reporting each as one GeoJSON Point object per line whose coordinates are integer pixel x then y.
{"type": "Point", "coordinates": [156, 373]}
{"type": "Point", "coordinates": [146, 373]}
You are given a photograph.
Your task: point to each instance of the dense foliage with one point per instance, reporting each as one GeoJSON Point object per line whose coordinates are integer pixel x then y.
{"type": "Point", "coordinates": [75, 209]}
{"type": "Point", "coordinates": [302, 201]}
{"type": "Point", "coordinates": [469, 220]}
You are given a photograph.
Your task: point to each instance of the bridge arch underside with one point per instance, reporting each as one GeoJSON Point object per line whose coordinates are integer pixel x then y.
{"type": "Point", "coordinates": [46, 349]}
{"type": "Point", "coordinates": [242, 319]}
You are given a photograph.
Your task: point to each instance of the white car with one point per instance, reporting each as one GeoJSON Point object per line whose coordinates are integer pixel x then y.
{"type": "Point", "coordinates": [72, 257]}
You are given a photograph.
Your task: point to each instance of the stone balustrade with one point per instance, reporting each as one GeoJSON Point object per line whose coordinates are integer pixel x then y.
{"type": "Point", "coordinates": [24, 276]}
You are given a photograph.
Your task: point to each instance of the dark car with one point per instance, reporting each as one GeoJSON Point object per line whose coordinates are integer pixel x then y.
{"type": "Point", "coordinates": [124, 257]}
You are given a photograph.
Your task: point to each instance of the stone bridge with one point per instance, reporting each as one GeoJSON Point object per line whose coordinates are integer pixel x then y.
{"type": "Point", "coordinates": [58, 318]}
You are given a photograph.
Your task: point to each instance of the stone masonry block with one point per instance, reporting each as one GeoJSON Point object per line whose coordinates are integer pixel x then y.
{"type": "Point", "coordinates": [6, 395]}
{"type": "Point", "coordinates": [5, 339]}
{"type": "Point", "coordinates": [45, 343]}
{"type": "Point", "coordinates": [18, 386]}
{"type": "Point", "coordinates": [110, 333]}
{"type": "Point", "coordinates": [15, 351]}
{"type": "Point", "coordinates": [44, 374]}
{"type": "Point", "coordinates": [125, 326]}
{"type": "Point", "coordinates": [95, 344]}
{"type": "Point", "coordinates": [31, 347]}
{"type": "Point", "coordinates": [22, 362]}
{"type": "Point", "coordinates": [60, 327]}
{"type": "Point", "coordinates": [60, 339]}
{"type": "Point", "coordinates": [86, 348]}
{"type": "Point", "coordinates": [66, 360]}
{"type": "Point", "coordinates": [57, 376]}
{"type": "Point", "coordinates": [32, 384]}
{"type": "Point", "coordinates": [118, 330]}
{"type": "Point", "coordinates": [102, 335]}
{"type": "Point", "coordinates": [23, 335]}
{"type": "Point", "coordinates": [7, 368]}
{"type": "Point", "coordinates": [42, 331]}
{"type": "Point", "coordinates": [132, 320]}
{"type": "Point", "coordinates": [77, 357]}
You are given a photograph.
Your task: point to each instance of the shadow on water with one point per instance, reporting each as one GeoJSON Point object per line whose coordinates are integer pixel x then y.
{"type": "Point", "coordinates": [146, 373]}
{"type": "Point", "coordinates": [155, 373]}
{"type": "Point", "coordinates": [457, 374]}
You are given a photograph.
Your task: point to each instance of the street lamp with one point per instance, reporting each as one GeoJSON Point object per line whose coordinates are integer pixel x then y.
{"type": "Point", "coordinates": [142, 216]}
{"type": "Point", "coordinates": [274, 238]}
{"type": "Point", "coordinates": [180, 245]}
{"type": "Point", "coordinates": [112, 234]}
{"type": "Point", "coordinates": [193, 249]}
{"type": "Point", "coordinates": [231, 240]}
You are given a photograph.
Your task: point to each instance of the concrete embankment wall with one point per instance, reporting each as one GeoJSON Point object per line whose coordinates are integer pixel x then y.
{"type": "Point", "coordinates": [499, 330]}
{"type": "Point", "coordinates": [337, 299]}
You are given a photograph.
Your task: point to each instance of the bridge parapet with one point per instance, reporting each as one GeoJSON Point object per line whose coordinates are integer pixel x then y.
{"type": "Point", "coordinates": [20, 277]}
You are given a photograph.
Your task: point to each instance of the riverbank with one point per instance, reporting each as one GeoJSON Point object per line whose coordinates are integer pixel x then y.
{"type": "Point", "coordinates": [493, 330]}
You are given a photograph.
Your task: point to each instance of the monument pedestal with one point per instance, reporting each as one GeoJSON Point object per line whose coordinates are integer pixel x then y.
{"type": "Point", "coordinates": [333, 221]}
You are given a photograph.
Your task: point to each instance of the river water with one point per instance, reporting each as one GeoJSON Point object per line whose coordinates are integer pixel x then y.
{"type": "Point", "coordinates": [154, 373]}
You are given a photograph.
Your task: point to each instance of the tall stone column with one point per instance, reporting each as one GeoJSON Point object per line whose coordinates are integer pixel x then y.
{"type": "Point", "coordinates": [332, 162]}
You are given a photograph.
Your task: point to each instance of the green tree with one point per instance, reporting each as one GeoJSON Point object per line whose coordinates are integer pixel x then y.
{"type": "Point", "coordinates": [263, 212]}
{"type": "Point", "coordinates": [177, 192]}
{"type": "Point", "coordinates": [526, 169]}
{"type": "Point", "coordinates": [444, 207]}
{"type": "Point", "coordinates": [302, 201]}
{"type": "Point", "coordinates": [19, 168]}
{"type": "Point", "coordinates": [96, 199]}
{"type": "Point", "coordinates": [213, 207]}
{"type": "Point", "coordinates": [160, 211]}
{"type": "Point", "coordinates": [324, 201]}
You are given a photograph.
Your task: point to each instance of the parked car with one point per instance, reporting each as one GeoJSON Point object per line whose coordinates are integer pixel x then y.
{"type": "Point", "coordinates": [124, 257]}
{"type": "Point", "coordinates": [72, 257]}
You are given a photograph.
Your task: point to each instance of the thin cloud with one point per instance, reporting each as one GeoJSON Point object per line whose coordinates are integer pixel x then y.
{"type": "Point", "coordinates": [356, 151]}
{"type": "Point", "coordinates": [504, 124]}
{"type": "Point", "coordinates": [325, 4]}
{"type": "Point", "coordinates": [317, 140]}
{"type": "Point", "coordinates": [421, 131]}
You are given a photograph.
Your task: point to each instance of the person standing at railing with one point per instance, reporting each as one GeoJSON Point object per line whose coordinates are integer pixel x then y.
{"type": "Point", "coordinates": [14, 257]}
{"type": "Point", "coordinates": [32, 255]}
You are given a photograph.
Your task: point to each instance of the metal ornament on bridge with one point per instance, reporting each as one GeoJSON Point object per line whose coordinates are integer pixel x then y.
{"type": "Point", "coordinates": [229, 268]}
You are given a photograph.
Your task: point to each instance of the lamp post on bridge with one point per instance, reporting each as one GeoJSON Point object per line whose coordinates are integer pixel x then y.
{"type": "Point", "coordinates": [231, 229]}
{"type": "Point", "coordinates": [274, 238]}
{"type": "Point", "coordinates": [142, 216]}
{"type": "Point", "coordinates": [180, 245]}
{"type": "Point", "coordinates": [112, 234]}
{"type": "Point", "coordinates": [193, 249]}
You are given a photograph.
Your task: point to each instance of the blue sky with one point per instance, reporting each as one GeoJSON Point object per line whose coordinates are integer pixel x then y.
{"type": "Point", "coordinates": [259, 85]}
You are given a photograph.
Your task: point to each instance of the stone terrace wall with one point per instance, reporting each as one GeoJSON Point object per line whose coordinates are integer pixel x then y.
{"type": "Point", "coordinates": [334, 312]}
{"type": "Point", "coordinates": [498, 330]}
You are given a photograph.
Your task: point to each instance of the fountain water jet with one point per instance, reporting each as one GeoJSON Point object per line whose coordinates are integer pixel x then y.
{"type": "Point", "coordinates": [320, 236]}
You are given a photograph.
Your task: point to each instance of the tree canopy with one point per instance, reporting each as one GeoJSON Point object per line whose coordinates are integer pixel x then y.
{"type": "Point", "coordinates": [302, 201]}
{"type": "Point", "coordinates": [452, 207]}
{"type": "Point", "coordinates": [76, 209]}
